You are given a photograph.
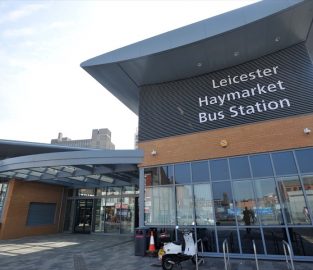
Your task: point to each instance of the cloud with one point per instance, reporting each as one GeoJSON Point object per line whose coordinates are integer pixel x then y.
{"type": "Point", "coordinates": [60, 24]}
{"type": "Point", "coordinates": [22, 12]}
{"type": "Point", "coordinates": [18, 32]}
{"type": "Point", "coordinates": [27, 43]}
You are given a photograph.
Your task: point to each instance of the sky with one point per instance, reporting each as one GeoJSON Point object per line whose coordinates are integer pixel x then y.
{"type": "Point", "coordinates": [43, 89]}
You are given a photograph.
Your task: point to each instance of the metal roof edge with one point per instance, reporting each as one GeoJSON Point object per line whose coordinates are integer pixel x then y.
{"type": "Point", "coordinates": [218, 25]}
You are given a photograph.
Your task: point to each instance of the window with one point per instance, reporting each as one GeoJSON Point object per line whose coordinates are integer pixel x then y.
{"type": "Point", "coordinates": [200, 171]}
{"type": "Point", "coordinates": [268, 203]}
{"type": "Point", "coordinates": [245, 203]}
{"type": "Point", "coordinates": [308, 187]}
{"type": "Point", "coordinates": [159, 206]}
{"type": "Point", "coordinates": [184, 204]}
{"type": "Point", "coordinates": [302, 241]}
{"type": "Point", "coordinates": [204, 204]}
{"type": "Point", "coordinates": [305, 158]}
{"type": "Point", "coordinates": [41, 214]}
{"type": "Point", "coordinates": [182, 173]}
{"type": "Point", "coordinates": [261, 165]}
{"type": "Point", "coordinates": [151, 177]}
{"type": "Point", "coordinates": [292, 201]}
{"type": "Point", "coordinates": [284, 163]}
{"type": "Point", "coordinates": [239, 168]}
{"type": "Point", "coordinates": [223, 203]}
{"type": "Point", "coordinates": [219, 169]}
{"type": "Point", "coordinates": [86, 192]}
{"type": "Point", "coordinates": [3, 192]}
{"type": "Point", "coordinates": [166, 175]}
{"type": "Point", "coordinates": [128, 190]}
{"type": "Point", "coordinates": [113, 191]}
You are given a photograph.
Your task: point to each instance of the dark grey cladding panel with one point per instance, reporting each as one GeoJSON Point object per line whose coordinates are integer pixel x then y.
{"type": "Point", "coordinates": [309, 42]}
{"type": "Point", "coordinates": [173, 108]}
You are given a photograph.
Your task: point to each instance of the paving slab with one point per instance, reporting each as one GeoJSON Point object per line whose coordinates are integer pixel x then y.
{"type": "Point", "coordinates": [101, 252]}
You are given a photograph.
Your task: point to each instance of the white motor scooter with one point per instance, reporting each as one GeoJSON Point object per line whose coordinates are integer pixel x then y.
{"type": "Point", "coordinates": [173, 254]}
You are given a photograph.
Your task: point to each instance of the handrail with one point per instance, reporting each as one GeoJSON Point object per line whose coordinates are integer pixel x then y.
{"type": "Point", "coordinates": [255, 255]}
{"type": "Point", "coordinates": [289, 264]}
{"type": "Point", "coordinates": [226, 255]}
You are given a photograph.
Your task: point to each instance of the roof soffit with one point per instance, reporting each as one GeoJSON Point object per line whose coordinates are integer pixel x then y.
{"type": "Point", "coordinates": [203, 47]}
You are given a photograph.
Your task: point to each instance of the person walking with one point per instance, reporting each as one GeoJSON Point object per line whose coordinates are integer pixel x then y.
{"type": "Point", "coordinates": [247, 217]}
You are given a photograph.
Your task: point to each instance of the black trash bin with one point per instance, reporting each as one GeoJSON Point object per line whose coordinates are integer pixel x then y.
{"type": "Point", "coordinates": [141, 241]}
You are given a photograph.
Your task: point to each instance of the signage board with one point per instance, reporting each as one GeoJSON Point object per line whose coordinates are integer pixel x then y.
{"type": "Point", "coordinates": [274, 86]}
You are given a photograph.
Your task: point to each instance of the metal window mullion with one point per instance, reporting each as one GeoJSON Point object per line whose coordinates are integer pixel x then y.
{"type": "Point", "coordinates": [105, 206]}
{"type": "Point", "coordinates": [193, 203]}
{"type": "Point", "coordinates": [5, 198]}
{"type": "Point", "coordinates": [141, 200]}
{"type": "Point", "coordinates": [159, 192]}
{"type": "Point", "coordinates": [215, 229]}
{"type": "Point", "coordinates": [260, 219]}
{"type": "Point", "coordinates": [92, 215]}
{"type": "Point", "coordinates": [120, 216]}
{"type": "Point", "coordinates": [233, 200]}
{"type": "Point", "coordinates": [175, 203]}
{"type": "Point", "coordinates": [302, 186]}
{"type": "Point", "coordinates": [257, 206]}
{"type": "Point", "coordinates": [280, 202]}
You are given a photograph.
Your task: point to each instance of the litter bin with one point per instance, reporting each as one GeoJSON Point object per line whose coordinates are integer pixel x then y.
{"type": "Point", "coordinates": [141, 241]}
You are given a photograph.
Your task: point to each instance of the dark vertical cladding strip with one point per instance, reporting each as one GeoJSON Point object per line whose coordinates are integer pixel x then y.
{"type": "Point", "coordinates": [199, 104]}
{"type": "Point", "coordinates": [309, 42]}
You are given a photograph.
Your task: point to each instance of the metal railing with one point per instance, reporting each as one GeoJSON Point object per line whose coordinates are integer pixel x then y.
{"type": "Point", "coordinates": [288, 257]}
{"type": "Point", "coordinates": [226, 255]}
{"type": "Point", "coordinates": [201, 260]}
{"type": "Point", "coordinates": [255, 255]}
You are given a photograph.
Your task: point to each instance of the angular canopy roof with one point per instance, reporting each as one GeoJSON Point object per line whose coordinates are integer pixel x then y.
{"type": "Point", "coordinates": [209, 45]}
{"type": "Point", "coordinates": [72, 167]}
{"type": "Point", "coordinates": [9, 148]}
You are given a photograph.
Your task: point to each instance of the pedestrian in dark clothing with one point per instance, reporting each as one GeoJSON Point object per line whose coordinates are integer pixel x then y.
{"type": "Point", "coordinates": [247, 217]}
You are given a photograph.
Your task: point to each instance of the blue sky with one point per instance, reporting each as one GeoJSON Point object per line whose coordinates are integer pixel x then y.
{"type": "Point", "coordinates": [44, 91]}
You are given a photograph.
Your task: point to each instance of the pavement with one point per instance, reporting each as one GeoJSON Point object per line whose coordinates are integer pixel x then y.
{"type": "Point", "coordinates": [101, 252]}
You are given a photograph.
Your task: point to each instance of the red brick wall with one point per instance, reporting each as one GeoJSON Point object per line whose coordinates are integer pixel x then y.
{"type": "Point", "coordinates": [266, 136]}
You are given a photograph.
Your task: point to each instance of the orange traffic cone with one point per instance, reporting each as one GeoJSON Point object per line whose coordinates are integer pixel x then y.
{"type": "Point", "coordinates": [151, 245]}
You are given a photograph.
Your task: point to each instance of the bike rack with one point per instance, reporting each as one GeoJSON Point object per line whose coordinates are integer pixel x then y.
{"type": "Point", "coordinates": [255, 255]}
{"type": "Point", "coordinates": [226, 255]}
{"type": "Point", "coordinates": [202, 260]}
{"type": "Point", "coordinates": [289, 261]}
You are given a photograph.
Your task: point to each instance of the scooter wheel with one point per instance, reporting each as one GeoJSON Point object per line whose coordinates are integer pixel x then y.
{"type": "Point", "coordinates": [167, 263]}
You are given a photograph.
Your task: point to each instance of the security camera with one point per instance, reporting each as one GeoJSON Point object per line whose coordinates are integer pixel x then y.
{"type": "Point", "coordinates": [307, 131]}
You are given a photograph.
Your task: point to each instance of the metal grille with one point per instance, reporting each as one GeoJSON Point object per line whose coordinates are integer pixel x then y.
{"type": "Point", "coordinates": [172, 108]}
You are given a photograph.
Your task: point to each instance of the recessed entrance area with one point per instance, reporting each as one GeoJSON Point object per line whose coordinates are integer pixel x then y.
{"type": "Point", "coordinates": [111, 210]}
{"type": "Point", "coordinates": [83, 216]}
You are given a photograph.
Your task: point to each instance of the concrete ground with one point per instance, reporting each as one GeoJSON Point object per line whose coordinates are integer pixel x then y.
{"type": "Point", "coordinates": [99, 252]}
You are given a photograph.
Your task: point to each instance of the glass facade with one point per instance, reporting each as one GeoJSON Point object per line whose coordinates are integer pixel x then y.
{"type": "Point", "coordinates": [264, 197]}
{"type": "Point", "coordinates": [110, 210]}
{"type": "Point", "coordinates": [3, 192]}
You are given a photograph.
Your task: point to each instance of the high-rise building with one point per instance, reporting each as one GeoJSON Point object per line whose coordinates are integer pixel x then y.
{"type": "Point", "coordinates": [100, 139]}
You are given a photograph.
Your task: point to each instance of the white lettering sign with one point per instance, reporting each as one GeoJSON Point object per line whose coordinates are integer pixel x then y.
{"type": "Point", "coordinates": [259, 90]}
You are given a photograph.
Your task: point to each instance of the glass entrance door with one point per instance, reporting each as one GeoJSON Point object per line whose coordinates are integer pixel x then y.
{"type": "Point", "coordinates": [127, 214]}
{"type": "Point", "coordinates": [112, 215]}
{"type": "Point", "coordinates": [83, 216]}
{"type": "Point", "coordinates": [116, 215]}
